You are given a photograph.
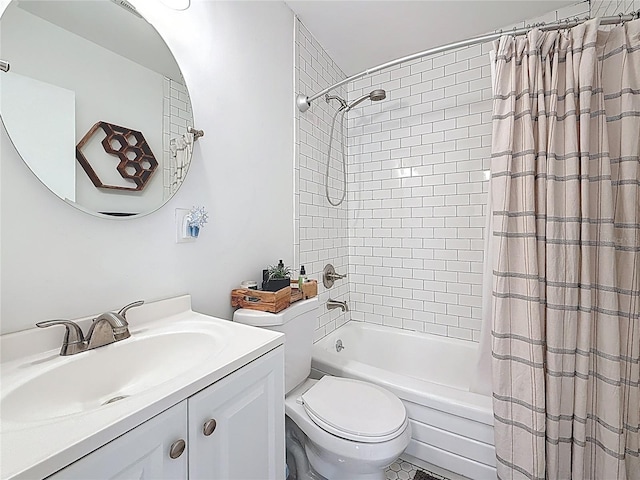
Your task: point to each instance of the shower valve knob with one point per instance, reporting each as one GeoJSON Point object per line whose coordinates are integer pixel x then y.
{"type": "Point", "coordinates": [329, 276]}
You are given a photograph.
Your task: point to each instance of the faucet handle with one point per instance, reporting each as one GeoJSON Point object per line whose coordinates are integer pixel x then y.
{"type": "Point", "coordinates": [124, 309]}
{"type": "Point", "coordinates": [336, 276]}
{"type": "Point", "coordinates": [73, 341]}
{"type": "Point", "coordinates": [73, 333]}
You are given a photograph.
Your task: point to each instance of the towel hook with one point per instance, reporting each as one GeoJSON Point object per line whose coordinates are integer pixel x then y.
{"type": "Point", "coordinates": [196, 133]}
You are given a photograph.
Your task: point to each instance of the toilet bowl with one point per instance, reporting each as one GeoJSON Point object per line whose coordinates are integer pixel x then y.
{"type": "Point", "coordinates": [334, 448]}
{"type": "Point", "coordinates": [337, 428]}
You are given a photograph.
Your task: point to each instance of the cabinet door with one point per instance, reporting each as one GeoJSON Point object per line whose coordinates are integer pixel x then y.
{"type": "Point", "coordinates": [248, 409]}
{"type": "Point", "coordinates": [142, 453]}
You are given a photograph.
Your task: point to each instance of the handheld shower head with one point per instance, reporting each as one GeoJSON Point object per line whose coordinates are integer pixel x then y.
{"type": "Point", "coordinates": [374, 96]}
{"type": "Point", "coordinates": [378, 95]}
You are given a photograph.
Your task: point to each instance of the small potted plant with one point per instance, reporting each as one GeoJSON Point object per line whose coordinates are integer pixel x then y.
{"type": "Point", "coordinates": [277, 277]}
{"type": "Point", "coordinates": [196, 219]}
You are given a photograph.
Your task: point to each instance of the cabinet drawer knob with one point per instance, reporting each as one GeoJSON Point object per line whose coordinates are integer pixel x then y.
{"type": "Point", "coordinates": [209, 427]}
{"type": "Point", "coordinates": [177, 448]}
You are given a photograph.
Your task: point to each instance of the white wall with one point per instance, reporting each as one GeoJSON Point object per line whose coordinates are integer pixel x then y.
{"type": "Point", "coordinates": [51, 158]}
{"type": "Point", "coordinates": [58, 262]}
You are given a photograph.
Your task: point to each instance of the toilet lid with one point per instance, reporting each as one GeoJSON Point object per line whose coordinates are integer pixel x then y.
{"type": "Point", "coordinates": [355, 410]}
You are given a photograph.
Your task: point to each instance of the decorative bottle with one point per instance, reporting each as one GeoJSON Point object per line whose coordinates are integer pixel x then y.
{"type": "Point", "coordinates": [302, 277]}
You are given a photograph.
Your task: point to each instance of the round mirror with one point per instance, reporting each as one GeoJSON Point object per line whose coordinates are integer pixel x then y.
{"type": "Point", "coordinates": [95, 103]}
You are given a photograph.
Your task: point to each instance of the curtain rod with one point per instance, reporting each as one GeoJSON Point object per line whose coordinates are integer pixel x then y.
{"type": "Point", "coordinates": [303, 102]}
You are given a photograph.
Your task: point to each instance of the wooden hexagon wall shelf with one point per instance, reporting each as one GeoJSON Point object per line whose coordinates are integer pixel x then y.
{"type": "Point", "coordinates": [137, 162]}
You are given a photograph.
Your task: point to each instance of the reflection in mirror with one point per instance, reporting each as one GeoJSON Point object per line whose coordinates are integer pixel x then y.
{"type": "Point", "coordinates": [76, 65]}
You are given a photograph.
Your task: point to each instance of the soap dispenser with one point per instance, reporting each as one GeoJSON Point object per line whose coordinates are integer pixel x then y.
{"type": "Point", "coordinates": [302, 277]}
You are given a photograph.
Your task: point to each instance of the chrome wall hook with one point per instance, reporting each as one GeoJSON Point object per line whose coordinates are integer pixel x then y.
{"type": "Point", "coordinates": [196, 133]}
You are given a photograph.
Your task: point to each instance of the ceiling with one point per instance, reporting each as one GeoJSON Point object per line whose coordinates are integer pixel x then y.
{"type": "Point", "coordinates": [363, 34]}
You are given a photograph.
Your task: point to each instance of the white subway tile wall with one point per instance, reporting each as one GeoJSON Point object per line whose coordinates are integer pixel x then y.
{"type": "Point", "coordinates": [417, 194]}
{"type": "Point", "coordinates": [411, 236]}
{"type": "Point", "coordinates": [607, 8]}
{"type": "Point", "coordinates": [177, 117]}
{"type": "Point", "coordinates": [321, 229]}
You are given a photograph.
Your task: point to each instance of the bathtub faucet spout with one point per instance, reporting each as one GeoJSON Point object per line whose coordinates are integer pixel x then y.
{"type": "Point", "coordinates": [331, 304]}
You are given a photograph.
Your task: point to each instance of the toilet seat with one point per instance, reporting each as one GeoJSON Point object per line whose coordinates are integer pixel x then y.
{"type": "Point", "coordinates": [355, 410]}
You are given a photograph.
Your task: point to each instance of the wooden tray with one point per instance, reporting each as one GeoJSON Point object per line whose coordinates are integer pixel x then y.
{"type": "Point", "coordinates": [309, 289]}
{"type": "Point", "coordinates": [273, 302]}
{"type": "Point", "coordinates": [296, 294]}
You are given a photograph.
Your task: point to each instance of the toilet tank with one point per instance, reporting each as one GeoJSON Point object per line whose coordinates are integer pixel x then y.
{"type": "Point", "coordinates": [298, 323]}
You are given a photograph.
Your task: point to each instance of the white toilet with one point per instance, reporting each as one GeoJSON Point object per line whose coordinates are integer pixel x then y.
{"type": "Point", "coordinates": [339, 428]}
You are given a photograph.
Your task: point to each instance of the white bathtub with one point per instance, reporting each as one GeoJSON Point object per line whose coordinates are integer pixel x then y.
{"type": "Point", "coordinates": [452, 427]}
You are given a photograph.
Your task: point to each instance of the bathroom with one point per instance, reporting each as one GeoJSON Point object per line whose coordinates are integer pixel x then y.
{"type": "Point", "coordinates": [259, 172]}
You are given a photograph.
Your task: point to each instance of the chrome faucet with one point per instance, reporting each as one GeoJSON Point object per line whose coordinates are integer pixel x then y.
{"type": "Point", "coordinates": [107, 328]}
{"type": "Point", "coordinates": [331, 304]}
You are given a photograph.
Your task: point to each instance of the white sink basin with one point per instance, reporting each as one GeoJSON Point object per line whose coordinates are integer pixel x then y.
{"type": "Point", "coordinates": [98, 378]}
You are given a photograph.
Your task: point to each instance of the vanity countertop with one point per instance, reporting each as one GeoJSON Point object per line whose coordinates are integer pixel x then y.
{"type": "Point", "coordinates": [41, 431]}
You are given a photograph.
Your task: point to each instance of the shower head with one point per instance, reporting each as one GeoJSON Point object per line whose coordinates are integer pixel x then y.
{"type": "Point", "coordinates": [374, 96]}
{"type": "Point", "coordinates": [377, 95]}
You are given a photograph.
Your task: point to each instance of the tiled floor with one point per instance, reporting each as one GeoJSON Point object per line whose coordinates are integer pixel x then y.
{"type": "Point", "coordinates": [401, 470]}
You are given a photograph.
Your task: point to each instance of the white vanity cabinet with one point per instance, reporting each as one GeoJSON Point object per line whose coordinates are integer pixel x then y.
{"type": "Point", "coordinates": [232, 430]}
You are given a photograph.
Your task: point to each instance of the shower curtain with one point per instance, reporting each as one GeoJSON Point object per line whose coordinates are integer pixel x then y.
{"type": "Point", "coordinates": [566, 254]}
